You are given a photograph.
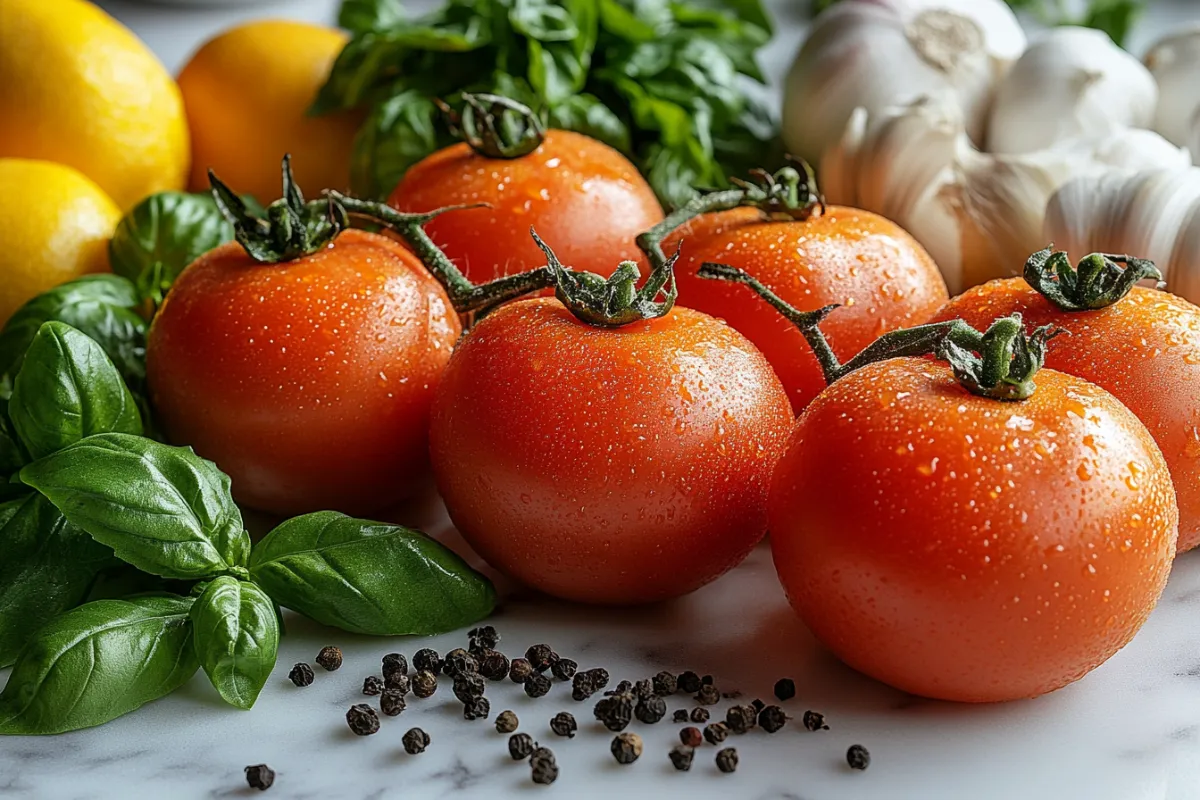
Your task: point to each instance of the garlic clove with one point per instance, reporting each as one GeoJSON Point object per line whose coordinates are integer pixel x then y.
{"type": "Point", "coordinates": [1184, 266]}
{"type": "Point", "coordinates": [1174, 61]}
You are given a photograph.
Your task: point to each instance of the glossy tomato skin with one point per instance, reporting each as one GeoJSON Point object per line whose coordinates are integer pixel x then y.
{"type": "Point", "coordinates": [585, 200]}
{"type": "Point", "coordinates": [967, 549]}
{"type": "Point", "coordinates": [610, 466]}
{"type": "Point", "coordinates": [1145, 349]}
{"type": "Point", "coordinates": [309, 382]}
{"type": "Point", "coordinates": [882, 277]}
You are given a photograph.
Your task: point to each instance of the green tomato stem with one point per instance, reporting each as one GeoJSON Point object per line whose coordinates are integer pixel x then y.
{"type": "Point", "coordinates": [1100, 280]}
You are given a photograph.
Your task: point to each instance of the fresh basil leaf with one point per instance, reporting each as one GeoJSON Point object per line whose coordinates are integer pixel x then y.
{"type": "Point", "coordinates": [359, 16]}
{"type": "Point", "coordinates": [723, 13]}
{"type": "Point", "coordinates": [236, 638]}
{"type": "Point", "coordinates": [561, 38]}
{"type": "Point", "coordinates": [98, 662]}
{"type": "Point", "coordinates": [162, 509]}
{"type": "Point", "coordinates": [1114, 17]}
{"type": "Point", "coordinates": [586, 114]}
{"type": "Point", "coordinates": [119, 581]}
{"type": "Point", "coordinates": [12, 452]}
{"type": "Point", "coordinates": [644, 22]}
{"type": "Point", "coordinates": [398, 134]}
{"type": "Point", "coordinates": [68, 389]}
{"type": "Point", "coordinates": [47, 566]}
{"type": "Point", "coordinates": [369, 577]}
{"type": "Point", "coordinates": [101, 306]}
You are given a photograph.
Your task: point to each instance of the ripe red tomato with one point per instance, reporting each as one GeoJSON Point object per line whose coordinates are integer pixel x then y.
{"type": "Point", "coordinates": [607, 465]}
{"type": "Point", "coordinates": [882, 277]}
{"type": "Point", "coordinates": [310, 381]}
{"type": "Point", "coordinates": [580, 194]}
{"type": "Point", "coordinates": [962, 548]}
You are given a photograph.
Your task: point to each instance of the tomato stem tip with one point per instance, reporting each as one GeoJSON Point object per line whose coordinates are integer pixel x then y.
{"type": "Point", "coordinates": [1100, 280]}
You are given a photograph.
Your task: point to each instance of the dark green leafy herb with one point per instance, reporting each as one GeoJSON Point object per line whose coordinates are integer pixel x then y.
{"type": "Point", "coordinates": [327, 566]}
{"type": "Point", "coordinates": [236, 638]}
{"type": "Point", "coordinates": [98, 662]}
{"type": "Point", "coordinates": [162, 509]}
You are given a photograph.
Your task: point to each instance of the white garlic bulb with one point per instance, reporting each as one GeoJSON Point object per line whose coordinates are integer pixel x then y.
{"type": "Point", "coordinates": [876, 53]}
{"type": "Point", "coordinates": [1175, 64]}
{"type": "Point", "coordinates": [1072, 82]}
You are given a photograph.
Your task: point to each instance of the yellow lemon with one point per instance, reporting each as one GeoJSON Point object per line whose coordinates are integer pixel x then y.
{"type": "Point", "coordinates": [246, 93]}
{"type": "Point", "coordinates": [80, 89]}
{"type": "Point", "coordinates": [55, 224]}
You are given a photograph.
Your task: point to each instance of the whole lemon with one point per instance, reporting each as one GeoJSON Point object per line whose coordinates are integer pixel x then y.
{"type": "Point", "coordinates": [80, 89]}
{"type": "Point", "coordinates": [246, 93]}
{"type": "Point", "coordinates": [55, 224]}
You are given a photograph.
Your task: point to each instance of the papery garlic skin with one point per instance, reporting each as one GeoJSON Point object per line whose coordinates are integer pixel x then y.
{"type": "Point", "coordinates": [876, 53]}
{"type": "Point", "coordinates": [1072, 82]}
{"type": "Point", "coordinates": [1174, 61]}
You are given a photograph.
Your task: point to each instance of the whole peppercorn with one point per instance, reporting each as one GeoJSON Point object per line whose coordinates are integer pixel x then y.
{"type": "Point", "coordinates": [624, 687]}
{"type": "Point", "coordinates": [397, 682]}
{"type": "Point", "coordinates": [520, 746]}
{"type": "Point", "coordinates": [478, 708]}
{"type": "Point", "coordinates": [541, 657]}
{"type": "Point", "coordinates": [519, 670]}
{"type": "Point", "coordinates": [691, 736]}
{"type": "Point", "coordinates": [681, 757]}
{"type": "Point", "coordinates": [260, 777]}
{"type": "Point", "coordinates": [541, 754]}
{"type": "Point", "coordinates": [394, 664]}
{"type": "Point", "coordinates": [708, 695]}
{"type": "Point", "coordinates": [330, 658]}
{"type": "Point", "coordinates": [689, 682]}
{"type": "Point", "coordinates": [426, 659]}
{"type": "Point", "coordinates": [459, 662]}
{"type": "Point", "coordinates": [727, 760]}
{"type": "Point", "coordinates": [771, 719]}
{"type": "Point", "coordinates": [759, 705]}
{"type": "Point", "coordinates": [680, 715]}
{"type": "Point", "coordinates": [483, 637]}
{"type": "Point", "coordinates": [468, 687]}
{"type": "Point", "coordinates": [506, 722]}
{"type": "Point", "coordinates": [741, 719]}
{"type": "Point", "coordinates": [372, 685]}
{"type": "Point", "coordinates": [626, 747]}
{"type": "Point", "coordinates": [716, 733]}
{"type": "Point", "coordinates": [615, 712]}
{"type": "Point", "coordinates": [785, 688]}
{"type": "Point", "coordinates": [644, 688]}
{"type": "Point", "coordinates": [537, 685]}
{"type": "Point", "coordinates": [424, 683]}
{"type": "Point", "coordinates": [587, 683]}
{"type": "Point", "coordinates": [707, 680]}
{"type": "Point", "coordinates": [699, 715]}
{"type": "Point", "coordinates": [415, 741]}
{"type": "Point", "coordinates": [362, 719]}
{"type": "Point", "coordinates": [391, 702]}
{"type": "Point", "coordinates": [563, 724]}
{"type": "Point", "coordinates": [665, 684]}
{"type": "Point", "coordinates": [650, 709]}
{"type": "Point", "coordinates": [492, 665]}
{"type": "Point", "coordinates": [858, 757]}
{"type": "Point", "coordinates": [815, 721]}
{"type": "Point", "coordinates": [564, 669]}
{"type": "Point", "coordinates": [543, 770]}
{"type": "Point", "coordinates": [301, 675]}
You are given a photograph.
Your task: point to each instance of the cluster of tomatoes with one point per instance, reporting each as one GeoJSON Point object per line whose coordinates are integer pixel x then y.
{"type": "Point", "coordinates": [949, 526]}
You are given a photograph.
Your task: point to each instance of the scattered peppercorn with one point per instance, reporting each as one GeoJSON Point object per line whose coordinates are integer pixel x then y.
{"type": "Point", "coordinates": [691, 736]}
{"type": "Point", "coordinates": [362, 719]}
{"type": "Point", "coordinates": [397, 682]}
{"type": "Point", "coordinates": [301, 674]}
{"type": "Point", "coordinates": [615, 712]}
{"type": "Point", "coordinates": [665, 684]}
{"type": "Point", "coordinates": [394, 664]}
{"type": "Point", "coordinates": [537, 685]}
{"type": "Point", "coordinates": [492, 665]}
{"type": "Point", "coordinates": [624, 687]}
{"type": "Point", "coordinates": [520, 670]}
{"type": "Point", "coordinates": [727, 760]}
{"type": "Point", "coordinates": [699, 715]}
{"type": "Point", "coordinates": [541, 657]}
{"type": "Point", "coordinates": [716, 733]}
{"type": "Point", "coordinates": [771, 719]}
{"type": "Point", "coordinates": [708, 695]}
{"type": "Point", "coordinates": [564, 669]}
{"type": "Point", "coordinates": [506, 722]}
{"type": "Point", "coordinates": [484, 637]}
{"type": "Point", "coordinates": [707, 680]}
{"type": "Point", "coordinates": [520, 746]}
{"type": "Point", "coordinates": [650, 709]}
{"type": "Point", "coordinates": [785, 688]}
{"type": "Point", "coordinates": [858, 757]}
{"type": "Point", "coordinates": [427, 659]}
{"type": "Point", "coordinates": [587, 683]}
{"type": "Point", "coordinates": [741, 719]}
{"type": "Point", "coordinates": [680, 715]}
{"type": "Point", "coordinates": [815, 721]}
{"type": "Point", "coordinates": [626, 747]}
{"type": "Point", "coordinates": [734, 695]}
{"type": "Point", "coordinates": [459, 662]}
{"type": "Point", "coordinates": [759, 705]}
{"type": "Point", "coordinates": [391, 702]}
{"type": "Point", "coordinates": [478, 708]}
{"type": "Point", "coordinates": [415, 741]}
{"type": "Point", "coordinates": [468, 687]}
{"type": "Point", "coordinates": [681, 757]}
{"type": "Point", "coordinates": [372, 685]}
{"type": "Point", "coordinates": [260, 777]}
{"type": "Point", "coordinates": [330, 658]}
{"type": "Point", "coordinates": [563, 723]}
{"type": "Point", "coordinates": [689, 682]}
{"type": "Point", "coordinates": [424, 683]}
{"type": "Point", "coordinates": [543, 766]}
{"type": "Point", "coordinates": [644, 688]}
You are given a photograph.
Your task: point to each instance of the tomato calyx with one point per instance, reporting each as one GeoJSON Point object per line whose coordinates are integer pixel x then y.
{"type": "Point", "coordinates": [292, 228]}
{"type": "Point", "coordinates": [495, 126]}
{"type": "Point", "coordinates": [1100, 280]}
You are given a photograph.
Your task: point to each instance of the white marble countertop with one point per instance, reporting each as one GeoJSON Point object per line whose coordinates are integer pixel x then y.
{"type": "Point", "coordinates": [1129, 731]}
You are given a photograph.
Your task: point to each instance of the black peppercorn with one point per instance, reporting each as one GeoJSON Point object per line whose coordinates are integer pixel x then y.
{"type": "Point", "coordinates": [681, 757]}
{"type": "Point", "coordinates": [727, 760]}
{"type": "Point", "coordinates": [587, 683]}
{"type": "Point", "coordinates": [665, 684]}
{"type": "Point", "coordinates": [330, 658]}
{"type": "Point", "coordinates": [643, 688]}
{"type": "Point", "coordinates": [716, 733]}
{"type": "Point", "coordinates": [858, 757]}
{"type": "Point", "coordinates": [372, 685]}
{"type": "Point", "coordinates": [260, 777]}
{"type": "Point", "coordinates": [543, 771]}
{"type": "Point", "coordinates": [563, 724]}
{"type": "Point", "coordinates": [391, 702]}
{"type": "Point", "coordinates": [650, 709]}
{"type": "Point", "coordinates": [424, 683]}
{"type": "Point", "coordinates": [741, 719]}
{"type": "Point", "coordinates": [699, 715]}
{"type": "Point", "coordinates": [564, 669]}
{"type": "Point", "coordinates": [615, 712]}
{"type": "Point", "coordinates": [394, 664]}
{"type": "Point", "coordinates": [680, 715]}
{"type": "Point", "coordinates": [520, 746]}
{"type": "Point", "coordinates": [815, 721]}
{"type": "Point", "coordinates": [478, 708]}
{"type": "Point", "coordinates": [362, 719]}
{"type": "Point", "coordinates": [785, 688]}
{"type": "Point", "coordinates": [301, 674]}
{"type": "Point", "coordinates": [483, 637]}
{"type": "Point", "coordinates": [771, 719]}
{"type": "Point", "coordinates": [707, 680]}
{"type": "Point", "coordinates": [459, 662]}
{"type": "Point", "coordinates": [541, 657]}
{"type": "Point", "coordinates": [492, 665]}
{"type": "Point", "coordinates": [506, 722]}
{"type": "Point", "coordinates": [759, 705]}
{"type": "Point", "coordinates": [468, 687]}
{"type": "Point", "coordinates": [537, 685]}
{"type": "Point", "coordinates": [691, 736]}
{"type": "Point", "coordinates": [624, 687]}
{"type": "Point", "coordinates": [689, 682]}
{"type": "Point", "coordinates": [397, 682]}
{"type": "Point", "coordinates": [626, 747]}
{"type": "Point", "coordinates": [520, 670]}
{"type": "Point", "coordinates": [415, 741]}
{"type": "Point", "coordinates": [708, 695]}
{"type": "Point", "coordinates": [426, 659]}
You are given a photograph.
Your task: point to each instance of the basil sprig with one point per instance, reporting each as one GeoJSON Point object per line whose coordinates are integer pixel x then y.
{"type": "Point", "coordinates": [236, 637]}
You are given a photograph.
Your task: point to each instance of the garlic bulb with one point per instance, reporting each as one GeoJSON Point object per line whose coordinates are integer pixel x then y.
{"type": "Point", "coordinates": [875, 53]}
{"type": "Point", "coordinates": [1175, 64]}
{"type": "Point", "coordinates": [1073, 82]}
